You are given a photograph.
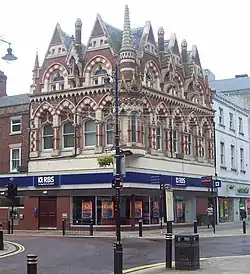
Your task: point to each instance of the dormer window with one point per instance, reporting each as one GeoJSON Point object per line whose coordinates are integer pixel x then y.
{"type": "Point", "coordinates": [99, 75]}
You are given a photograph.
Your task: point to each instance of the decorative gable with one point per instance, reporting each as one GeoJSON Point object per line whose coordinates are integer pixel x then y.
{"type": "Point", "coordinates": [59, 44]}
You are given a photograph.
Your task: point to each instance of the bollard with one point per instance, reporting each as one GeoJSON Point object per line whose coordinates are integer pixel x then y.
{"type": "Point", "coordinates": [91, 228]}
{"type": "Point", "coordinates": [118, 258]}
{"type": "Point", "coordinates": [244, 226]}
{"type": "Point", "coordinates": [140, 228]}
{"type": "Point", "coordinates": [195, 227]}
{"type": "Point", "coordinates": [169, 243]}
{"type": "Point", "coordinates": [8, 227]}
{"type": "Point", "coordinates": [1, 237]}
{"type": "Point", "coordinates": [31, 264]}
{"type": "Point", "coordinates": [115, 259]}
{"type": "Point", "coordinates": [63, 226]}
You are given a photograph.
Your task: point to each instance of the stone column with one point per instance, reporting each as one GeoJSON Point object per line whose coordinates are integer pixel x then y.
{"type": "Point", "coordinates": [56, 136]}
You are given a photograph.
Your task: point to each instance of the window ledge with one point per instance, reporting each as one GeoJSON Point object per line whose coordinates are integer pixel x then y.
{"type": "Point", "coordinates": [232, 129]}
{"type": "Point", "coordinates": [243, 171]}
{"type": "Point", "coordinates": [223, 167]}
{"type": "Point", "coordinates": [233, 169]}
{"type": "Point", "coordinates": [15, 133]}
{"type": "Point", "coordinates": [241, 133]}
{"type": "Point", "coordinates": [222, 125]}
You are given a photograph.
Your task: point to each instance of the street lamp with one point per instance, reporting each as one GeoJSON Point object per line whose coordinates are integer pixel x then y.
{"type": "Point", "coordinates": [9, 56]}
{"type": "Point", "coordinates": [118, 248]}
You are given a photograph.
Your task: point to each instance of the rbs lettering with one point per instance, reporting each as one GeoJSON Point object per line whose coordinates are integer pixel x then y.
{"type": "Point", "coordinates": [50, 180]}
{"type": "Point", "coordinates": [179, 181]}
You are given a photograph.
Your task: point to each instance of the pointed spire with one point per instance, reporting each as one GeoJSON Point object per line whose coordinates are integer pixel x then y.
{"type": "Point", "coordinates": [127, 41]}
{"type": "Point", "coordinates": [36, 66]}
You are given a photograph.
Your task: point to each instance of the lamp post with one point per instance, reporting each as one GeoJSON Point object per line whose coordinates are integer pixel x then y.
{"type": "Point", "coordinates": [118, 248]}
{"type": "Point", "coordinates": [9, 56]}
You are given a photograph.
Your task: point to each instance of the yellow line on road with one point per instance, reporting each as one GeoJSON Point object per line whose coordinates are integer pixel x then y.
{"type": "Point", "coordinates": [19, 249]}
{"type": "Point", "coordinates": [138, 268]}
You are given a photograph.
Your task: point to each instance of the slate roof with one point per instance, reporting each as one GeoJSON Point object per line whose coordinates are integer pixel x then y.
{"type": "Point", "coordinates": [16, 100]}
{"type": "Point", "coordinates": [116, 36]}
{"type": "Point", "coordinates": [233, 84]}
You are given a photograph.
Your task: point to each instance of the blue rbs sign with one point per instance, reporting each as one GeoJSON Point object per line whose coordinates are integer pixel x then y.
{"type": "Point", "coordinates": [50, 180]}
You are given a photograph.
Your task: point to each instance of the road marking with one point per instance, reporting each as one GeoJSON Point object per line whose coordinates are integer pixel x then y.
{"type": "Point", "coordinates": [19, 249]}
{"type": "Point", "coordinates": [148, 266]}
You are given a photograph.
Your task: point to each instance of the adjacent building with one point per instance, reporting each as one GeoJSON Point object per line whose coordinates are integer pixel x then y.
{"type": "Point", "coordinates": [232, 155]}
{"type": "Point", "coordinates": [166, 128]}
{"type": "Point", "coordinates": [14, 140]}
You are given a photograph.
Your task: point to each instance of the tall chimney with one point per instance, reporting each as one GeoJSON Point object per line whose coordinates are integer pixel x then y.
{"type": "Point", "coordinates": [78, 32]}
{"type": "Point", "coordinates": [3, 79]}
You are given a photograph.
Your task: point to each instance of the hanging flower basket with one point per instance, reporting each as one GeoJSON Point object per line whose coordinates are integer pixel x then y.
{"type": "Point", "coordinates": [104, 161]}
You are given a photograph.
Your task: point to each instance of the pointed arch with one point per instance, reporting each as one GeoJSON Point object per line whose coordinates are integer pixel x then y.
{"type": "Point", "coordinates": [65, 103]}
{"type": "Point", "coordinates": [150, 65]}
{"type": "Point", "coordinates": [177, 112]}
{"type": "Point", "coordinates": [192, 118]}
{"type": "Point", "coordinates": [86, 101]}
{"type": "Point", "coordinates": [107, 98]}
{"type": "Point", "coordinates": [147, 104]}
{"type": "Point", "coordinates": [161, 106]}
{"type": "Point", "coordinates": [51, 69]}
{"type": "Point", "coordinates": [44, 106]}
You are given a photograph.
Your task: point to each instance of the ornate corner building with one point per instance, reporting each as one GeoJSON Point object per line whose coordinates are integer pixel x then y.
{"type": "Point", "coordinates": [165, 121]}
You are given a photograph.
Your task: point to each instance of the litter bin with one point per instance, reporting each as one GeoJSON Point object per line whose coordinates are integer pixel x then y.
{"type": "Point", "coordinates": [187, 252]}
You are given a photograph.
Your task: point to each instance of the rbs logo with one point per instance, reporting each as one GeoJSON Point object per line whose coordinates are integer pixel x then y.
{"type": "Point", "coordinates": [49, 180]}
{"type": "Point", "coordinates": [179, 181]}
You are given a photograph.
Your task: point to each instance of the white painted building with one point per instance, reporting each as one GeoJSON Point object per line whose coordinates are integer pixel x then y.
{"type": "Point", "coordinates": [232, 155]}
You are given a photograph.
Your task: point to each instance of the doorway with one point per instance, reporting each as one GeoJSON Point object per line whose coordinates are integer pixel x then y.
{"type": "Point", "coordinates": [47, 212]}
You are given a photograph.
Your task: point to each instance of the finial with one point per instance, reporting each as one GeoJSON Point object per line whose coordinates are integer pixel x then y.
{"type": "Point", "coordinates": [161, 31]}
{"type": "Point", "coordinates": [78, 23]}
{"type": "Point", "coordinates": [184, 43]}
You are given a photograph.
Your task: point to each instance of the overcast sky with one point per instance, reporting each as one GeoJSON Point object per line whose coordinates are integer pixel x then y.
{"type": "Point", "coordinates": [220, 29]}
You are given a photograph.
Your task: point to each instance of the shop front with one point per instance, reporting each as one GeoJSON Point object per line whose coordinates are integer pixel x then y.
{"type": "Point", "coordinates": [81, 198]}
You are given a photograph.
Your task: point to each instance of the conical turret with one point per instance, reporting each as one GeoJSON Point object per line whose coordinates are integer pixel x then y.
{"type": "Point", "coordinates": [127, 51]}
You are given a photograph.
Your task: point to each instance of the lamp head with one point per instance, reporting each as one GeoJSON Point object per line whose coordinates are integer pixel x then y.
{"type": "Point", "coordinates": [9, 56]}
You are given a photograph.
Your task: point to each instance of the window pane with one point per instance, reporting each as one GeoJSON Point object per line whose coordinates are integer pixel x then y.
{"type": "Point", "coordinates": [47, 130]}
{"type": "Point", "coordinates": [110, 137]}
{"type": "Point", "coordinates": [68, 141]}
{"type": "Point", "coordinates": [90, 139]}
{"type": "Point", "coordinates": [48, 142]}
{"type": "Point", "coordinates": [15, 154]}
{"type": "Point", "coordinates": [133, 129]}
{"type": "Point", "coordinates": [110, 125]}
{"type": "Point", "coordinates": [90, 126]}
{"type": "Point", "coordinates": [16, 128]}
{"type": "Point", "coordinates": [68, 128]}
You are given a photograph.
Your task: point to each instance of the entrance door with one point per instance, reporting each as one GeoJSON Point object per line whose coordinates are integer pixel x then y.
{"type": "Point", "coordinates": [47, 212]}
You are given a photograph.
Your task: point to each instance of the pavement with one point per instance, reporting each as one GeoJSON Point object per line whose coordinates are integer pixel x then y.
{"type": "Point", "coordinates": [10, 249]}
{"type": "Point", "coordinates": [219, 265]}
{"type": "Point", "coordinates": [225, 229]}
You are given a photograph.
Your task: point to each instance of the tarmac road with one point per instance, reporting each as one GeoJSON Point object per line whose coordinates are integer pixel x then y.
{"type": "Point", "coordinates": [95, 255]}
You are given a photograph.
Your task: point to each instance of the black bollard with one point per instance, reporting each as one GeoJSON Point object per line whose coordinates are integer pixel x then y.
{"type": "Point", "coordinates": [1, 238]}
{"type": "Point", "coordinates": [118, 258]}
{"type": "Point", "coordinates": [31, 264]}
{"type": "Point", "coordinates": [91, 228]}
{"type": "Point", "coordinates": [140, 228]}
{"type": "Point", "coordinates": [8, 227]}
{"type": "Point", "coordinates": [63, 226]}
{"type": "Point", "coordinates": [169, 243]}
{"type": "Point", "coordinates": [195, 227]}
{"type": "Point", "coordinates": [244, 226]}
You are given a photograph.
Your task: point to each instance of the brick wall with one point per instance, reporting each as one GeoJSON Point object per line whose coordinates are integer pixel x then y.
{"type": "Point", "coordinates": [7, 139]}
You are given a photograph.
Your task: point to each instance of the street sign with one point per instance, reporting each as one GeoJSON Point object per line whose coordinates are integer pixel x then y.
{"type": "Point", "coordinates": [217, 183]}
{"type": "Point", "coordinates": [169, 206]}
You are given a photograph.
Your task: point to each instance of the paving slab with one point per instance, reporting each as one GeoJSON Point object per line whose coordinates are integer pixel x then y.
{"type": "Point", "coordinates": [8, 248]}
{"type": "Point", "coordinates": [223, 265]}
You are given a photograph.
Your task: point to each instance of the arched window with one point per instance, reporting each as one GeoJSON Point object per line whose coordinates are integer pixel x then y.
{"type": "Point", "coordinates": [149, 79]}
{"type": "Point", "coordinates": [90, 134]}
{"type": "Point", "coordinates": [133, 129]}
{"type": "Point", "coordinates": [47, 137]}
{"type": "Point", "coordinates": [99, 75]}
{"type": "Point", "coordinates": [68, 134]}
{"type": "Point", "coordinates": [57, 82]}
{"type": "Point", "coordinates": [109, 132]}
{"type": "Point", "coordinates": [158, 138]}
